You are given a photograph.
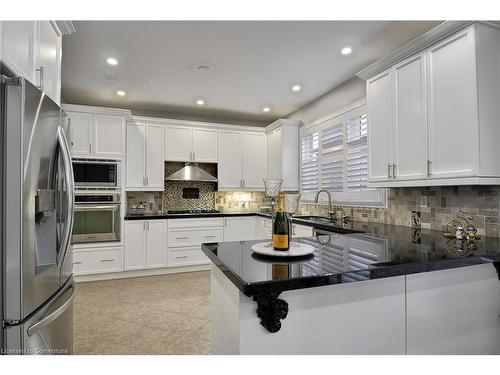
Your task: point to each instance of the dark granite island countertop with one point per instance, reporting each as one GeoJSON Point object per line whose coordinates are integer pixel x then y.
{"type": "Point", "coordinates": [344, 258]}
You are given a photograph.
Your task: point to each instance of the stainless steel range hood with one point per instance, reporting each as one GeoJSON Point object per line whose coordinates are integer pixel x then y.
{"type": "Point", "coordinates": [191, 172]}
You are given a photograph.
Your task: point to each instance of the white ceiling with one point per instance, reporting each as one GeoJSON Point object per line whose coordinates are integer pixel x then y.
{"type": "Point", "coordinates": [255, 63]}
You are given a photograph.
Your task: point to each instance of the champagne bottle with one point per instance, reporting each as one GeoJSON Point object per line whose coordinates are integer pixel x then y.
{"type": "Point", "coordinates": [281, 237]}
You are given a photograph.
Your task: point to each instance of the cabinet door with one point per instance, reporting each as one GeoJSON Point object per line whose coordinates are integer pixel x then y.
{"type": "Point", "coordinates": [452, 103]}
{"type": "Point", "coordinates": [109, 136]}
{"type": "Point", "coordinates": [379, 92]}
{"type": "Point", "coordinates": [177, 143]}
{"type": "Point", "coordinates": [135, 244]}
{"type": "Point", "coordinates": [154, 157]}
{"type": "Point", "coordinates": [229, 166]}
{"type": "Point", "coordinates": [156, 243]}
{"type": "Point", "coordinates": [253, 147]}
{"type": "Point", "coordinates": [136, 164]}
{"type": "Point", "coordinates": [239, 229]}
{"type": "Point", "coordinates": [205, 145]}
{"type": "Point", "coordinates": [410, 119]}
{"type": "Point", "coordinates": [81, 133]}
{"type": "Point", "coordinates": [274, 156]}
{"type": "Point", "coordinates": [18, 47]}
{"type": "Point", "coordinates": [49, 59]}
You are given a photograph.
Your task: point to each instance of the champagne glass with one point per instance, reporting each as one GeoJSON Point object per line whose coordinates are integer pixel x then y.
{"type": "Point", "coordinates": [272, 188]}
{"type": "Point", "coordinates": [291, 207]}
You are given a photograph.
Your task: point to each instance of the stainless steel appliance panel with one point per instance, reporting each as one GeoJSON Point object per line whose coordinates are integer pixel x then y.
{"type": "Point", "coordinates": [49, 330]}
{"type": "Point", "coordinates": [39, 209]}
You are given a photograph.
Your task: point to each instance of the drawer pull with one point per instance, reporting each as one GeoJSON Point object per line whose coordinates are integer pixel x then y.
{"type": "Point", "coordinates": [107, 260]}
{"type": "Point", "coordinates": [181, 238]}
{"type": "Point", "coordinates": [211, 236]}
{"type": "Point", "coordinates": [182, 257]}
{"type": "Point", "coordinates": [77, 263]}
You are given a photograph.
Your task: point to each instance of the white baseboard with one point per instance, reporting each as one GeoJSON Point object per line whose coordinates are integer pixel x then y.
{"type": "Point", "coordinates": [139, 273]}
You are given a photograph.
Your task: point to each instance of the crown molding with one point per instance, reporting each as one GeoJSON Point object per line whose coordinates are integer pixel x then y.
{"type": "Point", "coordinates": [418, 44]}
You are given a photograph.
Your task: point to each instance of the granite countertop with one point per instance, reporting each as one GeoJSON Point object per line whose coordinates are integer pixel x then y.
{"type": "Point", "coordinates": [164, 215]}
{"type": "Point", "coordinates": [382, 251]}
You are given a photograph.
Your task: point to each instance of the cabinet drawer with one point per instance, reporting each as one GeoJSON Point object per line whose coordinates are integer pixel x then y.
{"type": "Point", "coordinates": [196, 223]}
{"type": "Point", "coordinates": [97, 261]}
{"type": "Point", "coordinates": [194, 236]}
{"type": "Point", "coordinates": [186, 256]}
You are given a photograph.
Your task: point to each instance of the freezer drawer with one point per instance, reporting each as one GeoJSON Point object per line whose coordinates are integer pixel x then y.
{"type": "Point", "coordinates": [47, 331]}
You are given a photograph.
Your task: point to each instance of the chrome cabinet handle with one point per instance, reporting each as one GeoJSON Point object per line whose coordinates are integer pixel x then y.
{"type": "Point", "coordinates": [181, 238]}
{"type": "Point", "coordinates": [429, 166]}
{"type": "Point", "coordinates": [212, 236]}
{"type": "Point", "coordinates": [106, 260]}
{"type": "Point", "coordinates": [194, 157]}
{"type": "Point", "coordinates": [40, 75]}
{"type": "Point", "coordinates": [147, 182]}
{"type": "Point", "coordinates": [393, 171]}
{"type": "Point", "coordinates": [143, 225]}
{"type": "Point", "coordinates": [77, 263]}
{"type": "Point", "coordinates": [182, 257]}
{"type": "Point", "coordinates": [389, 171]}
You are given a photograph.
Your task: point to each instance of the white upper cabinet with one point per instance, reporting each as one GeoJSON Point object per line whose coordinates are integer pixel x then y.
{"type": "Point", "coordinates": [145, 149]}
{"type": "Point", "coordinates": [283, 153]}
{"type": "Point", "coordinates": [242, 160]}
{"type": "Point", "coordinates": [183, 143]}
{"type": "Point", "coordinates": [155, 169]}
{"type": "Point", "coordinates": [177, 143]}
{"type": "Point", "coordinates": [109, 136]}
{"type": "Point", "coordinates": [136, 155]}
{"type": "Point", "coordinates": [18, 47]}
{"type": "Point", "coordinates": [49, 59]}
{"type": "Point", "coordinates": [205, 145]}
{"type": "Point", "coordinates": [433, 118]}
{"type": "Point", "coordinates": [410, 120]}
{"type": "Point", "coordinates": [453, 120]}
{"type": "Point", "coordinates": [95, 133]}
{"type": "Point", "coordinates": [80, 125]}
{"type": "Point", "coordinates": [32, 49]}
{"type": "Point", "coordinates": [380, 128]}
{"type": "Point", "coordinates": [230, 160]}
{"type": "Point", "coordinates": [253, 151]}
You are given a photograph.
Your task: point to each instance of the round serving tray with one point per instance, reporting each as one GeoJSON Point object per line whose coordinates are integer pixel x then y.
{"type": "Point", "coordinates": [297, 249]}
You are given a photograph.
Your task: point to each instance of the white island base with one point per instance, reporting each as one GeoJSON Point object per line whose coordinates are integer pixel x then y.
{"type": "Point", "coordinates": [454, 311]}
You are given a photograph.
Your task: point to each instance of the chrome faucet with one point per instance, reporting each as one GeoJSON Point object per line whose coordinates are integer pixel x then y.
{"type": "Point", "coordinates": [331, 211]}
{"type": "Point", "coordinates": [330, 207]}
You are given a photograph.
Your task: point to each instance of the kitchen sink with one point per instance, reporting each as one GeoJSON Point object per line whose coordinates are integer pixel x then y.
{"type": "Point", "coordinates": [316, 218]}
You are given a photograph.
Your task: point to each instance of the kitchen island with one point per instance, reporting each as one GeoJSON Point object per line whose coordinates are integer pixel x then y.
{"type": "Point", "coordinates": [390, 290]}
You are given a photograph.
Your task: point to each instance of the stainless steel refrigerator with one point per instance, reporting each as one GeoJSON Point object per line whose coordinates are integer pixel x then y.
{"type": "Point", "coordinates": [37, 203]}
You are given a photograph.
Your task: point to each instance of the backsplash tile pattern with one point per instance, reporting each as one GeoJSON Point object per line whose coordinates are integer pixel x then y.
{"type": "Point", "coordinates": [443, 203]}
{"type": "Point", "coordinates": [239, 201]}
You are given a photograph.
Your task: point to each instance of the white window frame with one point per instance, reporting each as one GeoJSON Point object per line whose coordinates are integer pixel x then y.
{"type": "Point", "coordinates": [368, 197]}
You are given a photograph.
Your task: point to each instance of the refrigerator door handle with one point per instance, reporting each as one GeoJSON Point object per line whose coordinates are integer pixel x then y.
{"type": "Point", "coordinates": [57, 313]}
{"type": "Point", "coordinates": [70, 196]}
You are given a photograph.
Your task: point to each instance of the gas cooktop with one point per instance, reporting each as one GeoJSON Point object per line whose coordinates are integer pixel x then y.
{"type": "Point", "coordinates": [187, 212]}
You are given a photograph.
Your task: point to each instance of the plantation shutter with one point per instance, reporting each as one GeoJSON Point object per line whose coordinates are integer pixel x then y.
{"type": "Point", "coordinates": [309, 167]}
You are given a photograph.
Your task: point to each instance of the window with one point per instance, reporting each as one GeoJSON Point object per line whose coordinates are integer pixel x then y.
{"type": "Point", "coordinates": [334, 156]}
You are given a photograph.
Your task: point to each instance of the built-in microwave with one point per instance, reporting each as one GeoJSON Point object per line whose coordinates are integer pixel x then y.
{"type": "Point", "coordinates": [96, 173]}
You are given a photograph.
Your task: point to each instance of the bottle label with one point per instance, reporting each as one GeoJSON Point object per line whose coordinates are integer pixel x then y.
{"type": "Point", "coordinates": [280, 241]}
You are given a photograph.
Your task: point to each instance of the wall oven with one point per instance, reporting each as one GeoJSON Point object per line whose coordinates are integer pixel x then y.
{"type": "Point", "coordinates": [94, 173]}
{"type": "Point", "coordinates": [97, 216]}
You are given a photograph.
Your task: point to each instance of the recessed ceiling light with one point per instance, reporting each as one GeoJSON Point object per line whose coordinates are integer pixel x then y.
{"type": "Point", "coordinates": [346, 51]}
{"type": "Point", "coordinates": [200, 102]}
{"type": "Point", "coordinates": [296, 88]}
{"type": "Point", "coordinates": [121, 93]}
{"type": "Point", "coordinates": [203, 68]}
{"type": "Point", "coordinates": [112, 61]}
{"type": "Point", "coordinates": [266, 109]}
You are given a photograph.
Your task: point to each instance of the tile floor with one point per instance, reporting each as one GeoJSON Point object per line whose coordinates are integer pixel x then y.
{"type": "Point", "coordinates": [167, 314]}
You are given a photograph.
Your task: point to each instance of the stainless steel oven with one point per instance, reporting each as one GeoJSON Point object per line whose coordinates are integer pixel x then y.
{"type": "Point", "coordinates": [97, 216]}
{"type": "Point", "coordinates": [94, 173]}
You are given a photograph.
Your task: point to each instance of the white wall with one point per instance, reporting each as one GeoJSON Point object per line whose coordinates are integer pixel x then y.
{"type": "Point", "coordinates": [340, 97]}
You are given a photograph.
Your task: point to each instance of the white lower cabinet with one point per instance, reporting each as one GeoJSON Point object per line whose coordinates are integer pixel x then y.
{"type": "Point", "coordinates": [185, 237]}
{"type": "Point", "coordinates": [97, 260]}
{"type": "Point", "coordinates": [145, 244]}
{"type": "Point", "coordinates": [239, 228]}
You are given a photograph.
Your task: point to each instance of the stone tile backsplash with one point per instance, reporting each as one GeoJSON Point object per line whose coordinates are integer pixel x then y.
{"type": "Point", "coordinates": [443, 204]}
